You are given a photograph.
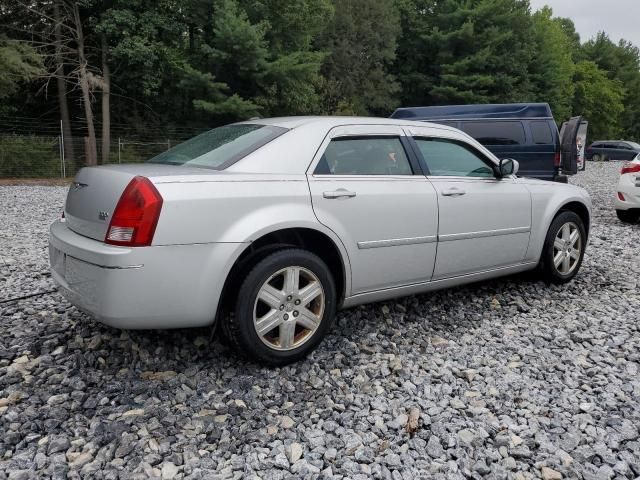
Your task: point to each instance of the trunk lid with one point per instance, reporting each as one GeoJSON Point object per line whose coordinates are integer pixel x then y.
{"type": "Point", "coordinates": [95, 192]}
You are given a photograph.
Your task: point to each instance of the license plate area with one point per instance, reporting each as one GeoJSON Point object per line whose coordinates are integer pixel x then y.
{"type": "Point", "coordinates": [58, 261]}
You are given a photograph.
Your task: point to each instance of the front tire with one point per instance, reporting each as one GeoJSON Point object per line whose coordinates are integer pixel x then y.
{"type": "Point", "coordinates": [284, 308]}
{"type": "Point", "coordinates": [563, 249]}
{"type": "Point", "coordinates": [628, 216]}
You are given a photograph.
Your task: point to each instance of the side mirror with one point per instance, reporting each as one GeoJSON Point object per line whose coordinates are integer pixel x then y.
{"type": "Point", "coordinates": [508, 166]}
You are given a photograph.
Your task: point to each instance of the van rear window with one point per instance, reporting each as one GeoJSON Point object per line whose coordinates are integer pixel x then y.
{"type": "Point", "coordinates": [541, 133]}
{"type": "Point", "coordinates": [496, 133]}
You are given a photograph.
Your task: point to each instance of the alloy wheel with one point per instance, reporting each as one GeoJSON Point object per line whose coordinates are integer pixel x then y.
{"type": "Point", "coordinates": [567, 248]}
{"type": "Point", "coordinates": [289, 308]}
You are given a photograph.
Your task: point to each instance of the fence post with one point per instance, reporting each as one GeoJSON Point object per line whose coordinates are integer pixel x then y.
{"type": "Point", "coordinates": [63, 169]}
{"type": "Point", "coordinates": [119, 150]}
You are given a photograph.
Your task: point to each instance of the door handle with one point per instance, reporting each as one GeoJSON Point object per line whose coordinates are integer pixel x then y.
{"type": "Point", "coordinates": [339, 193]}
{"type": "Point", "coordinates": [453, 192]}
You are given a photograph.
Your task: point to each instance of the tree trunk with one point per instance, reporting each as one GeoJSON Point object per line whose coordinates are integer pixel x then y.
{"type": "Point", "coordinates": [106, 112]}
{"type": "Point", "coordinates": [92, 153]}
{"type": "Point", "coordinates": [69, 153]}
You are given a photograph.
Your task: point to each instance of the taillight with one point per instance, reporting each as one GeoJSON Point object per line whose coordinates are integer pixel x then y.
{"type": "Point", "coordinates": [621, 197]}
{"type": "Point", "coordinates": [556, 159]}
{"type": "Point", "coordinates": [136, 215]}
{"type": "Point", "coordinates": [630, 167]}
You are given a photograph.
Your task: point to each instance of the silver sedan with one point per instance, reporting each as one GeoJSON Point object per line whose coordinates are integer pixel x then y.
{"type": "Point", "coordinates": [265, 228]}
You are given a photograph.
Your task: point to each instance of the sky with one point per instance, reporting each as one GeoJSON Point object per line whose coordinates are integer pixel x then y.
{"type": "Point", "coordinates": [619, 18]}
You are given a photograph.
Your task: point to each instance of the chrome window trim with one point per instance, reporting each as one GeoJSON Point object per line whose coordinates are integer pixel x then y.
{"type": "Point", "coordinates": [328, 176]}
{"type": "Point", "coordinates": [448, 178]}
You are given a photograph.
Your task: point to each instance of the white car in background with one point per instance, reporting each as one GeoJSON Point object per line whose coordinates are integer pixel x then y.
{"type": "Point", "coordinates": [627, 201]}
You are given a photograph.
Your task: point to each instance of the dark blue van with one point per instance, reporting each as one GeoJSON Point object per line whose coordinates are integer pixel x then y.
{"type": "Point", "coordinates": [526, 132]}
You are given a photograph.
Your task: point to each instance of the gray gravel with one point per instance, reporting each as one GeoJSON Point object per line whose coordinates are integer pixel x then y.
{"type": "Point", "coordinates": [505, 379]}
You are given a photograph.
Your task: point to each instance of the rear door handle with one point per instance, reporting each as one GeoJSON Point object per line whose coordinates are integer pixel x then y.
{"type": "Point", "coordinates": [453, 192]}
{"type": "Point", "coordinates": [339, 193]}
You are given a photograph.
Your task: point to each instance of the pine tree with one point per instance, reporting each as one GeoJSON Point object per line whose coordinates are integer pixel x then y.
{"type": "Point", "coordinates": [465, 51]}
{"type": "Point", "coordinates": [362, 44]}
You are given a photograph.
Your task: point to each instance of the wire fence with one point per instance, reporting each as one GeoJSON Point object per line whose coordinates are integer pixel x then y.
{"type": "Point", "coordinates": [35, 156]}
{"type": "Point", "coordinates": [36, 148]}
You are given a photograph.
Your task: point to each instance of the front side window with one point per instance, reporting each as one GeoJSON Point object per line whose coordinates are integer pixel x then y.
{"type": "Point", "coordinates": [220, 147]}
{"type": "Point", "coordinates": [364, 156]}
{"type": "Point", "coordinates": [496, 133]}
{"type": "Point", "coordinates": [451, 158]}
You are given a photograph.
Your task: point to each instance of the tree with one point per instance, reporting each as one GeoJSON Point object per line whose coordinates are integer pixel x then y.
{"type": "Point", "coordinates": [599, 99]}
{"type": "Point", "coordinates": [59, 27]}
{"type": "Point", "coordinates": [551, 71]}
{"type": "Point", "coordinates": [19, 62]}
{"type": "Point", "coordinates": [361, 41]}
{"type": "Point", "coordinates": [465, 51]}
{"type": "Point", "coordinates": [61, 83]}
{"type": "Point", "coordinates": [291, 81]}
{"type": "Point", "coordinates": [620, 62]}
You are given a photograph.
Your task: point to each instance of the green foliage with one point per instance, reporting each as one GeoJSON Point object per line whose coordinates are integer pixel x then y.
{"type": "Point", "coordinates": [620, 62]}
{"type": "Point", "coordinates": [201, 63]}
{"type": "Point", "coordinates": [552, 65]}
{"type": "Point", "coordinates": [465, 51]}
{"type": "Point", "coordinates": [361, 41]}
{"type": "Point", "coordinates": [29, 156]}
{"type": "Point", "coordinates": [19, 62]}
{"type": "Point", "coordinates": [599, 99]}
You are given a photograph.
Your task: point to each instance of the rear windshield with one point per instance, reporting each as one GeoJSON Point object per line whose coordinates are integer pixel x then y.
{"type": "Point", "coordinates": [221, 147]}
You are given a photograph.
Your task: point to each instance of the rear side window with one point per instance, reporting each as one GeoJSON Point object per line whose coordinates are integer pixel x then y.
{"type": "Point", "coordinates": [541, 133]}
{"type": "Point", "coordinates": [496, 133]}
{"type": "Point", "coordinates": [221, 147]}
{"type": "Point", "coordinates": [451, 158]}
{"type": "Point", "coordinates": [364, 156]}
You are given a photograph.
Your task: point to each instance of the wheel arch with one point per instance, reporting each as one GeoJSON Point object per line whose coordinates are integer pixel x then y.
{"type": "Point", "coordinates": [579, 209]}
{"type": "Point", "coordinates": [328, 247]}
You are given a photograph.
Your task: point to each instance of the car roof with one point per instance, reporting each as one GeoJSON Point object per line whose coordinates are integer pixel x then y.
{"type": "Point", "coordinates": [329, 122]}
{"type": "Point", "coordinates": [477, 112]}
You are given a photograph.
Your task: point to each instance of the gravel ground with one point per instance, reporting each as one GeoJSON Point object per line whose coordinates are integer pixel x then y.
{"type": "Point", "coordinates": [505, 379]}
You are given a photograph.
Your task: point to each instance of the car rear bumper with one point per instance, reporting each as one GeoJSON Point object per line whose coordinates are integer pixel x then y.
{"type": "Point", "coordinates": [629, 186]}
{"type": "Point", "coordinates": [174, 286]}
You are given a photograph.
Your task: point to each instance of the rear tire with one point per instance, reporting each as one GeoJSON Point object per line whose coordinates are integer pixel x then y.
{"type": "Point", "coordinates": [596, 157]}
{"type": "Point", "coordinates": [284, 308]}
{"type": "Point", "coordinates": [628, 216]}
{"type": "Point", "coordinates": [563, 249]}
